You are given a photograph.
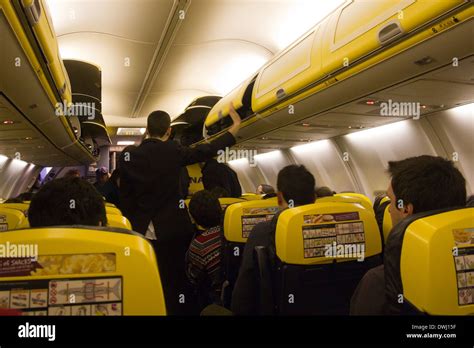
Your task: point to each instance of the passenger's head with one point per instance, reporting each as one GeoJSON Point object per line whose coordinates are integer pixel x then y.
{"type": "Point", "coordinates": [219, 192]}
{"type": "Point", "coordinates": [67, 201]}
{"type": "Point", "coordinates": [205, 209]}
{"type": "Point", "coordinates": [158, 124]}
{"type": "Point", "coordinates": [295, 186]}
{"type": "Point", "coordinates": [424, 183]}
{"type": "Point", "coordinates": [264, 189]}
{"type": "Point", "coordinates": [102, 175]}
{"type": "Point", "coordinates": [324, 191]}
{"type": "Point", "coordinates": [115, 177]}
{"type": "Point", "coordinates": [73, 173]}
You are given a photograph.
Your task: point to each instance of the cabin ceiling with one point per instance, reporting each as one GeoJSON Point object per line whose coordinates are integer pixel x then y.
{"type": "Point", "coordinates": [217, 45]}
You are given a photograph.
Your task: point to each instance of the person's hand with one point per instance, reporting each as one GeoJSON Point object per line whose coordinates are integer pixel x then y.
{"type": "Point", "coordinates": [234, 129]}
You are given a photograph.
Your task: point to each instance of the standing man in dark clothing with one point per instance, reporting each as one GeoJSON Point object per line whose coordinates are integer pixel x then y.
{"type": "Point", "coordinates": [215, 174]}
{"type": "Point", "coordinates": [150, 198]}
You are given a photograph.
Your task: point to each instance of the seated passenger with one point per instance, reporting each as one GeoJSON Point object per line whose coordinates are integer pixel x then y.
{"type": "Point", "coordinates": [203, 259]}
{"type": "Point", "coordinates": [67, 201]}
{"type": "Point", "coordinates": [220, 192]}
{"type": "Point", "coordinates": [101, 175]}
{"type": "Point", "coordinates": [72, 173]}
{"type": "Point", "coordinates": [324, 191]}
{"type": "Point", "coordinates": [215, 174]}
{"type": "Point", "coordinates": [418, 184]}
{"type": "Point", "coordinates": [295, 187]}
{"type": "Point", "coordinates": [264, 189]}
{"type": "Point", "coordinates": [22, 197]}
{"type": "Point", "coordinates": [111, 190]}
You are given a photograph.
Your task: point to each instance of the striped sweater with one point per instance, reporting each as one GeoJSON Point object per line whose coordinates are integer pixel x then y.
{"type": "Point", "coordinates": [203, 262]}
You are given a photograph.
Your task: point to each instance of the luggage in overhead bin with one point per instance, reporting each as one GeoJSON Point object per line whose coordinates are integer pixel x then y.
{"type": "Point", "coordinates": [42, 26]}
{"type": "Point", "coordinates": [217, 119]}
{"type": "Point", "coordinates": [187, 127]}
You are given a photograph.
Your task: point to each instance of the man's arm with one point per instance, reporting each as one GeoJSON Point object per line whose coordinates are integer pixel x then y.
{"type": "Point", "coordinates": [203, 152]}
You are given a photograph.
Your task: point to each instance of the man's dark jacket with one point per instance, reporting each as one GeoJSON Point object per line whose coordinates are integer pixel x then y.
{"type": "Point", "coordinates": [149, 184]}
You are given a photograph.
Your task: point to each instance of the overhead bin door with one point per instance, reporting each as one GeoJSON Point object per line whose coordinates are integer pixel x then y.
{"type": "Point", "coordinates": [291, 70]}
{"type": "Point", "coordinates": [42, 25]}
{"type": "Point", "coordinates": [360, 27]}
{"type": "Point", "coordinates": [221, 108]}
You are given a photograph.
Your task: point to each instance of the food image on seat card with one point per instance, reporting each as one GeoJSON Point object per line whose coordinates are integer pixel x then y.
{"type": "Point", "coordinates": [464, 265]}
{"type": "Point", "coordinates": [253, 216]}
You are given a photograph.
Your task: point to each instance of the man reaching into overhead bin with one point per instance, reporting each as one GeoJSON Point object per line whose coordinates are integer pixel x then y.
{"type": "Point", "coordinates": [151, 200]}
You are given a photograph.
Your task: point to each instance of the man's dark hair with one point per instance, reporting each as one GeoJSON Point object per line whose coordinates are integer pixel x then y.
{"type": "Point", "coordinates": [324, 191]}
{"type": "Point", "coordinates": [67, 201]}
{"type": "Point", "coordinates": [158, 123]}
{"type": "Point", "coordinates": [296, 184]}
{"type": "Point", "coordinates": [205, 209]}
{"type": "Point", "coordinates": [428, 183]}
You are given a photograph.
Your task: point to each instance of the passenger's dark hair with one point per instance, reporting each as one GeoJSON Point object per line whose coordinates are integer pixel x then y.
{"type": "Point", "coordinates": [115, 176]}
{"type": "Point", "coordinates": [205, 209]}
{"type": "Point", "coordinates": [219, 192]}
{"type": "Point", "coordinates": [323, 191]}
{"type": "Point", "coordinates": [428, 183]}
{"type": "Point", "coordinates": [158, 123]}
{"type": "Point", "coordinates": [267, 188]}
{"type": "Point", "coordinates": [67, 201]}
{"type": "Point", "coordinates": [296, 184]}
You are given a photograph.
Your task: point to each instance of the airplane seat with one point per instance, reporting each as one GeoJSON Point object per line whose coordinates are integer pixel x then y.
{"type": "Point", "coordinates": [239, 220]}
{"type": "Point", "coordinates": [356, 195]}
{"type": "Point", "coordinates": [386, 223]}
{"type": "Point", "coordinates": [114, 220]}
{"type": "Point", "coordinates": [430, 260]}
{"type": "Point", "coordinates": [227, 201]}
{"type": "Point", "coordinates": [382, 215]}
{"type": "Point", "coordinates": [80, 270]}
{"type": "Point", "coordinates": [12, 219]}
{"type": "Point", "coordinates": [112, 210]}
{"type": "Point", "coordinates": [322, 252]}
{"type": "Point", "coordinates": [251, 196]}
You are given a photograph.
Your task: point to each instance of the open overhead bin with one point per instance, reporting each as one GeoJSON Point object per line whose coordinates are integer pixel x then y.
{"type": "Point", "coordinates": [240, 97]}
{"type": "Point", "coordinates": [86, 84]}
{"type": "Point", "coordinates": [187, 127]}
{"type": "Point", "coordinates": [29, 44]}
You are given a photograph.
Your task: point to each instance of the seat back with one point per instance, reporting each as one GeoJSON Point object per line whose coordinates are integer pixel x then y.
{"type": "Point", "coordinates": [114, 216]}
{"type": "Point", "coordinates": [323, 250]}
{"type": "Point", "coordinates": [386, 222]}
{"type": "Point", "coordinates": [239, 220]}
{"type": "Point", "coordinates": [78, 270]}
{"type": "Point", "coordinates": [251, 196]}
{"type": "Point", "coordinates": [363, 198]}
{"type": "Point", "coordinates": [12, 219]}
{"type": "Point", "coordinates": [437, 263]}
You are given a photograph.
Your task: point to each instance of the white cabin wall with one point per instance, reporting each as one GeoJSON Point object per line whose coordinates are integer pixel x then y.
{"type": "Point", "coordinates": [455, 130]}
{"type": "Point", "coordinates": [16, 176]}
{"type": "Point", "coordinates": [324, 160]}
{"type": "Point", "coordinates": [368, 152]}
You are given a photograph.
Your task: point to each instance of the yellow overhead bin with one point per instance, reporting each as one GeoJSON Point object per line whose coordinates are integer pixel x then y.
{"type": "Point", "coordinates": [294, 68]}
{"type": "Point", "coordinates": [361, 27]}
{"type": "Point", "coordinates": [41, 24]}
{"type": "Point", "coordinates": [221, 109]}
{"type": "Point", "coordinates": [357, 35]}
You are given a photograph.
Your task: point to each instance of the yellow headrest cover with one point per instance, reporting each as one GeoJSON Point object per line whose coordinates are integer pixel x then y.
{"type": "Point", "coordinates": [343, 231]}
{"type": "Point", "coordinates": [79, 271]}
{"type": "Point", "coordinates": [240, 218]}
{"type": "Point", "coordinates": [12, 219]}
{"type": "Point", "coordinates": [437, 263]}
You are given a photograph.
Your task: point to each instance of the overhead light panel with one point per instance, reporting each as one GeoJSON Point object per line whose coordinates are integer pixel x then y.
{"type": "Point", "coordinates": [125, 142]}
{"type": "Point", "coordinates": [131, 131]}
